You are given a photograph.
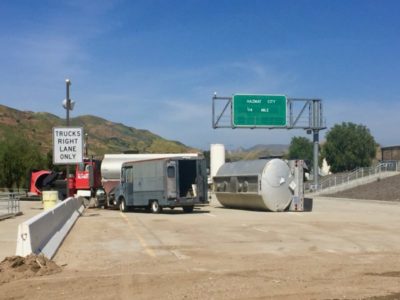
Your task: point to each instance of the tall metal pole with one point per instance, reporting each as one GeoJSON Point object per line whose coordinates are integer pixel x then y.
{"type": "Point", "coordinates": [68, 83]}
{"type": "Point", "coordinates": [86, 145]}
{"type": "Point", "coordinates": [316, 126]}
{"type": "Point", "coordinates": [315, 159]}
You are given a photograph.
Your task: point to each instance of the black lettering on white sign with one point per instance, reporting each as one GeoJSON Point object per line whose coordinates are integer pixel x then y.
{"type": "Point", "coordinates": [67, 145]}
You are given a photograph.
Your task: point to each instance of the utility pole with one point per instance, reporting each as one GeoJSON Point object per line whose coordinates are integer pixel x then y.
{"type": "Point", "coordinates": [86, 145]}
{"type": "Point", "coordinates": [67, 107]}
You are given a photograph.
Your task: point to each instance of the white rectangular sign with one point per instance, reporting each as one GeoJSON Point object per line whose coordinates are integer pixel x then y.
{"type": "Point", "coordinates": [67, 145]}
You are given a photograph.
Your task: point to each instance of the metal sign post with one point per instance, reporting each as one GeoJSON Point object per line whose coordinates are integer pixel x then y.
{"type": "Point", "coordinates": [68, 104]}
{"type": "Point", "coordinates": [272, 112]}
{"type": "Point", "coordinates": [68, 107]}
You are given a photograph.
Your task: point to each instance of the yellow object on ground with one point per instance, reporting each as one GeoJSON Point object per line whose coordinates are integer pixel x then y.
{"type": "Point", "coordinates": [49, 199]}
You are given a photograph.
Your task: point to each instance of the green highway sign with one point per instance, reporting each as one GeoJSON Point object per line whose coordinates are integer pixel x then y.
{"type": "Point", "coordinates": [259, 111]}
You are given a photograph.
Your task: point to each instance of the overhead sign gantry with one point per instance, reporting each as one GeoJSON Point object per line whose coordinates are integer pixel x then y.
{"type": "Point", "coordinates": [271, 112]}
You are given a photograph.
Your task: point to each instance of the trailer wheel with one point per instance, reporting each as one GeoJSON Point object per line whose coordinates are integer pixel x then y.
{"type": "Point", "coordinates": [122, 205]}
{"type": "Point", "coordinates": [188, 209]}
{"type": "Point", "coordinates": [155, 207]}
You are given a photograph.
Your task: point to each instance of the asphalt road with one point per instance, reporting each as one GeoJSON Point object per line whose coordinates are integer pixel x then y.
{"type": "Point", "coordinates": [344, 249]}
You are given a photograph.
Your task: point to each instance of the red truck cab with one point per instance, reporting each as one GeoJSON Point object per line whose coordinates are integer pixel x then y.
{"type": "Point", "coordinates": [87, 177]}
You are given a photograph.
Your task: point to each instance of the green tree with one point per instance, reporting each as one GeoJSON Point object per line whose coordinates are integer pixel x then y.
{"type": "Point", "coordinates": [349, 146]}
{"type": "Point", "coordinates": [301, 148]}
{"type": "Point", "coordinates": [18, 156]}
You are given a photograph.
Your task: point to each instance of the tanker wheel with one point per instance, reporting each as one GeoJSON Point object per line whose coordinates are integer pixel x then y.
{"type": "Point", "coordinates": [122, 205]}
{"type": "Point", "coordinates": [155, 207]}
{"type": "Point", "coordinates": [188, 209]}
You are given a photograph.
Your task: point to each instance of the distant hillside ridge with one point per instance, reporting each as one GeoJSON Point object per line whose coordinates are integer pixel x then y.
{"type": "Point", "coordinates": [258, 151]}
{"type": "Point", "coordinates": [103, 136]}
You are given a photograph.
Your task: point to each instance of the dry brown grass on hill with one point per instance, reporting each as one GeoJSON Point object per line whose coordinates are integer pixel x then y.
{"type": "Point", "coordinates": [103, 136]}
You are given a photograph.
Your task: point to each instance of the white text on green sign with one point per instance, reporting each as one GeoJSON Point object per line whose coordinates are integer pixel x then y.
{"type": "Point", "coordinates": [259, 111]}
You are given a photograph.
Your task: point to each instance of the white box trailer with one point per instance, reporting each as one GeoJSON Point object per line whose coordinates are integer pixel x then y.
{"type": "Point", "coordinates": [162, 182]}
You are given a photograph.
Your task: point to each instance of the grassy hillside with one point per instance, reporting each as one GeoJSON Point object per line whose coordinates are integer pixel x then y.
{"type": "Point", "coordinates": [257, 152]}
{"type": "Point", "coordinates": [103, 136]}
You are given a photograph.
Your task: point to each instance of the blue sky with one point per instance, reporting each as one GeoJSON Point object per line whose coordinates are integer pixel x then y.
{"type": "Point", "coordinates": [156, 64]}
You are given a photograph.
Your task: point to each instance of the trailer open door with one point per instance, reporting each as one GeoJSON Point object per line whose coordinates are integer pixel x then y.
{"type": "Point", "coordinates": [171, 179]}
{"type": "Point", "coordinates": [201, 182]}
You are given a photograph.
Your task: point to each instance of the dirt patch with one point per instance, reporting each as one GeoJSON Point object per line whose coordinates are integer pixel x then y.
{"type": "Point", "coordinates": [17, 267]}
{"type": "Point", "coordinates": [395, 296]}
{"type": "Point", "coordinates": [385, 274]}
{"type": "Point", "coordinates": [382, 189]}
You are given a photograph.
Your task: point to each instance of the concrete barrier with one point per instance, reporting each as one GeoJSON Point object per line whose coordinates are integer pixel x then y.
{"type": "Point", "coordinates": [45, 232]}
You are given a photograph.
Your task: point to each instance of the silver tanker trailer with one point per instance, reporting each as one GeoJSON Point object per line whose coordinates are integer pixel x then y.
{"type": "Point", "coordinates": [263, 184]}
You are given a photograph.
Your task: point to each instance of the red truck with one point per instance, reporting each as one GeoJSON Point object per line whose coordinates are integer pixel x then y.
{"type": "Point", "coordinates": [85, 182]}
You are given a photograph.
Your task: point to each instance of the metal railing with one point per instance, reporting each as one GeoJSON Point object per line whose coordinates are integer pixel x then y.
{"type": "Point", "coordinates": [343, 178]}
{"type": "Point", "coordinates": [9, 203]}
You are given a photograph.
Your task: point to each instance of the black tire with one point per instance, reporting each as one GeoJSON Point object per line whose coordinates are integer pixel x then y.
{"type": "Point", "coordinates": [155, 208]}
{"type": "Point", "coordinates": [105, 206]}
{"type": "Point", "coordinates": [188, 209]}
{"type": "Point", "coordinates": [122, 205]}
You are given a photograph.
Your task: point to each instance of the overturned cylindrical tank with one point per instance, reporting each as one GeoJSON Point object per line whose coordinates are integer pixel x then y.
{"type": "Point", "coordinates": [264, 184]}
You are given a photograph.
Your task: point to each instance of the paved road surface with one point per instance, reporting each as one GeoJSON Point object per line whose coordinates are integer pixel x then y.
{"type": "Point", "coordinates": [9, 227]}
{"type": "Point", "coordinates": [341, 250]}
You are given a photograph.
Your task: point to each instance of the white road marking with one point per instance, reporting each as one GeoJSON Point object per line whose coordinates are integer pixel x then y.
{"type": "Point", "coordinates": [262, 230]}
{"type": "Point", "coordinates": [330, 251]}
{"type": "Point", "coordinates": [179, 255]}
{"type": "Point", "coordinates": [211, 215]}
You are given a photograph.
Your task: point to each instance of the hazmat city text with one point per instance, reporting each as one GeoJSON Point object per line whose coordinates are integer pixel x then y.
{"type": "Point", "coordinates": [258, 101]}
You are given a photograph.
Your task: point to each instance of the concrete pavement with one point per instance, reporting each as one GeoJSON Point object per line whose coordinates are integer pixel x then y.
{"type": "Point", "coordinates": [9, 227]}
